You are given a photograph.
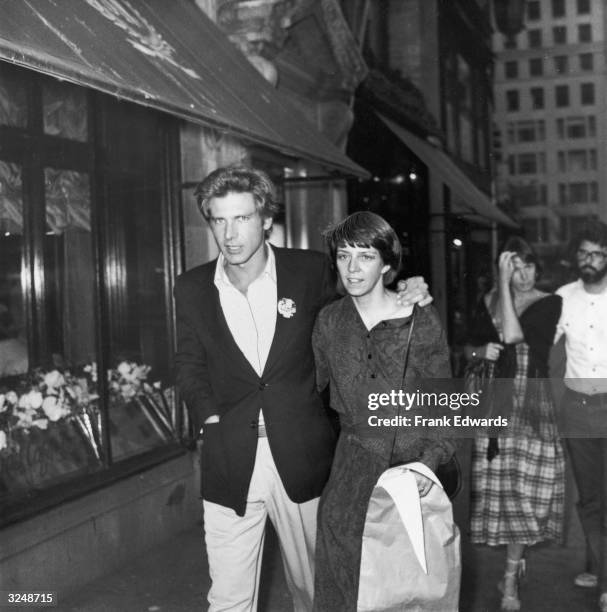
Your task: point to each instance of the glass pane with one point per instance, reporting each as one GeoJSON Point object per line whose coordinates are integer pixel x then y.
{"type": "Point", "coordinates": [141, 417]}
{"type": "Point", "coordinates": [13, 101]}
{"type": "Point", "coordinates": [13, 335]}
{"type": "Point", "coordinates": [69, 267]}
{"type": "Point", "coordinates": [48, 419]}
{"type": "Point", "coordinates": [65, 111]}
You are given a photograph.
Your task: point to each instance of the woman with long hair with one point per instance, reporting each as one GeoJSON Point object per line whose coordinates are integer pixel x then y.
{"type": "Point", "coordinates": [518, 476]}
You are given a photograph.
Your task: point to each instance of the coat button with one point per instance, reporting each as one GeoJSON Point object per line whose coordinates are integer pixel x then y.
{"type": "Point", "coordinates": [262, 386]}
{"type": "Point", "coordinates": [253, 424]}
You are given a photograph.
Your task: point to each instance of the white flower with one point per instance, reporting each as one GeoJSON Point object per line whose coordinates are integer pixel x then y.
{"type": "Point", "coordinates": [53, 409]}
{"type": "Point", "coordinates": [3, 440]}
{"type": "Point", "coordinates": [124, 368]}
{"type": "Point", "coordinates": [3, 403]}
{"type": "Point", "coordinates": [40, 423]}
{"type": "Point", "coordinates": [286, 307]}
{"type": "Point", "coordinates": [128, 391]}
{"type": "Point", "coordinates": [11, 397]}
{"type": "Point", "coordinates": [35, 399]}
{"type": "Point", "coordinates": [54, 379]}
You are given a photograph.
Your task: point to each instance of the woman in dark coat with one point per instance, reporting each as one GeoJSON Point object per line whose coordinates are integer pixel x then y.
{"type": "Point", "coordinates": [359, 346]}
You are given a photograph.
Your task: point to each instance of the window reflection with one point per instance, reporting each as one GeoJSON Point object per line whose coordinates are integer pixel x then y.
{"type": "Point", "coordinates": [13, 339]}
{"type": "Point", "coordinates": [69, 267]}
{"type": "Point", "coordinates": [13, 104]}
{"type": "Point", "coordinates": [65, 111]}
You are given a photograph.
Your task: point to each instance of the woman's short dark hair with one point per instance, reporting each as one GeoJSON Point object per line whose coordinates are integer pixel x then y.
{"type": "Point", "coordinates": [238, 179]}
{"type": "Point", "coordinates": [366, 229]}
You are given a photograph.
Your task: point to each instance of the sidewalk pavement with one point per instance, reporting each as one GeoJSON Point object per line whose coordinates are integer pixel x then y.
{"type": "Point", "coordinates": [174, 578]}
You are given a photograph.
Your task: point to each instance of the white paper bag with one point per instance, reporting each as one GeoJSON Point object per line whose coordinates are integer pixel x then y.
{"type": "Point", "coordinates": [411, 547]}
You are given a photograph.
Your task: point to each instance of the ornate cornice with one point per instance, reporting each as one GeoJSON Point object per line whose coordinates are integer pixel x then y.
{"type": "Point", "coordinates": [260, 28]}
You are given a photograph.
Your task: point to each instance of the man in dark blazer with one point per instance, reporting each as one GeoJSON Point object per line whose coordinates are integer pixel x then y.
{"type": "Point", "coordinates": [245, 369]}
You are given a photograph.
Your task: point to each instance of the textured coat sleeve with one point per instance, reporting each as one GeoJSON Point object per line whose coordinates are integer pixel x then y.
{"type": "Point", "coordinates": [192, 373]}
{"type": "Point", "coordinates": [320, 355]}
{"type": "Point", "coordinates": [437, 365]}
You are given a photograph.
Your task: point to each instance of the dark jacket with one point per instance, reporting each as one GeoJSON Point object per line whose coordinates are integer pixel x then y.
{"type": "Point", "coordinates": [214, 377]}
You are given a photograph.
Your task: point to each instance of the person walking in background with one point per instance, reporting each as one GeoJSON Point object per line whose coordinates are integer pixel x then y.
{"type": "Point", "coordinates": [583, 322]}
{"type": "Point", "coordinates": [360, 344]}
{"type": "Point", "coordinates": [245, 369]}
{"type": "Point", "coordinates": [517, 478]}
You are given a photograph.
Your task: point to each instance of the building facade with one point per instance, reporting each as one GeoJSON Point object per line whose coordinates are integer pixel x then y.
{"type": "Point", "coordinates": [550, 125]}
{"type": "Point", "coordinates": [110, 113]}
{"type": "Point", "coordinates": [428, 99]}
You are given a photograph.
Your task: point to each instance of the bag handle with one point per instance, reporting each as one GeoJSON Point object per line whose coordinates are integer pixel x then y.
{"type": "Point", "coordinates": [402, 382]}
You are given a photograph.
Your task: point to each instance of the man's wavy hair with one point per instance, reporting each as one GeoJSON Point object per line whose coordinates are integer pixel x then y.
{"type": "Point", "coordinates": [366, 229]}
{"type": "Point", "coordinates": [238, 179]}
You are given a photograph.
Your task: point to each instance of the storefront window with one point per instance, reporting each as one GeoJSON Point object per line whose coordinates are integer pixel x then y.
{"type": "Point", "coordinates": [13, 105]}
{"type": "Point", "coordinates": [65, 111]}
{"type": "Point", "coordinates": [13, 336]}
{"type": "Point", "coordinates": [69, 267]}
{"type": "Point", "coordinates": [85, 279]}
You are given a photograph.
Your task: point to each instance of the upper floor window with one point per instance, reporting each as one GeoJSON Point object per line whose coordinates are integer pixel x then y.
{"type": "Point", "coordinates": [537, 98]}
{"type": "Point", "coordinates": [576, 127]}
{"type": "Point", "coordinates": [587, 93]}
{"type": "Point", "coordinates": [586, 61]}
{"type": "Point", "coordinates": [512, 100]}
{"type": "Point", "coordinates": [583, 7]}
{"type": "Point", "coordinates": [511, 70]}
{"type": "Point", "coordinates": [536, 66]}
{"type": "Point", "coordinates": [533, 10]}
{"type": "Point", "coordinates": [534, 38]}
{"type": "Point", "coordinates": [559, 35]}
{"type": "Point", "coordinates": [530, 131]}
{"type": "Point", "coordinates": [584, 32]}
{"type": "Point", "coordinates": [529, 163]}
{"type": "Point", "coordinates": [561, 64]}
{"type": "Point", "coordinates": [561, 95]}
{"type": "Point", "coordinates": [558, 8]}
{"type": "Point", "coordinates": [577, 160]}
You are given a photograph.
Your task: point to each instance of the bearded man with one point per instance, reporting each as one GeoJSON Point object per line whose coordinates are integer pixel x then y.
{"type": "Point", "coordinates": [584, 410]}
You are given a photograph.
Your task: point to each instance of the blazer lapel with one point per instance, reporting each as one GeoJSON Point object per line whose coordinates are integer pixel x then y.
{"type": "Point", "coordinates": [219, 330]}
{"type": "Point", "coordinates": [287, 286]}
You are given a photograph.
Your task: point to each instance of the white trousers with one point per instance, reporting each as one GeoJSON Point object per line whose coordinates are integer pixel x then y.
{"type": "Point", "coordinates": [235, 543]}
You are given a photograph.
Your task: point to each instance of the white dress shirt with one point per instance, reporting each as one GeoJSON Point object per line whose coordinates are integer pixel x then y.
{"type": "Point", "coordinates": [584, 323]}
{"type": "Point", "coordinates": [251, 317]}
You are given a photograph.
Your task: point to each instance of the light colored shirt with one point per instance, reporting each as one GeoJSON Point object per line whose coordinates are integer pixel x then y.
{"type": "Point", "coordinates": [251, 318]}
{"type": "Point", "coordinates": [584, 323]}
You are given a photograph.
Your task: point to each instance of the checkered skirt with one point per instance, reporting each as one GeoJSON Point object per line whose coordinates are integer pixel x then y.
{"type": "Point", "coordinates": [518, 496]}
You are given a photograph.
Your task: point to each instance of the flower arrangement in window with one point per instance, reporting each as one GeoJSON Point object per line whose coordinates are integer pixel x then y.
{"type": "Point", "coordinates": [50, 422]}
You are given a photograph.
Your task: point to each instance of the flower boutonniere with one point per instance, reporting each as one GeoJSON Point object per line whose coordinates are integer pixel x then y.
{"type": "Point", "coordinates": [286, 307]}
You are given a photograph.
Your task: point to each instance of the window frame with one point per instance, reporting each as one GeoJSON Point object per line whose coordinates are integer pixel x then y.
{"type": "Point", "coordinates": [586, 62]}
{"type": "Point", "coordinates": [537, 94]}
{"type": "Point", "coordinates": [561, 96]}
{"type": "Point", "coordinates": [536, 66]}
{"type": "Point", "coordinates": [558, 8]}
{"type": "Point", "coordinates": [513, 100]}
{"type": "Point", "coordinates": [35, 151]}
{"type": "Point", "coordinates": [559, 35]}
{"type": "Point", "coordinates": [534, 38]}
{"type": "Point", "coordinates": [584, 33]}
{"type": "Point", "coordinates": [587, 94]}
